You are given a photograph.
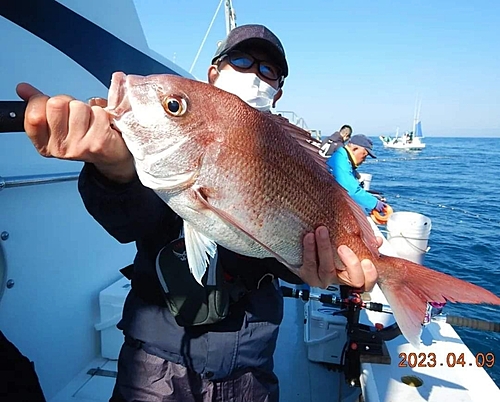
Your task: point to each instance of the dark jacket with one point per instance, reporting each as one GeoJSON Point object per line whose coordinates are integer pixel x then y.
{"type": "Point", "coordinates": [245, 339]}
{"type": "Point", "coordinates": [335, 140]}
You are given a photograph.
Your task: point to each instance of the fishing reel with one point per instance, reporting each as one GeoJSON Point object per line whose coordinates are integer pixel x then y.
{"type": "Point", "coordinates": [349, 304]}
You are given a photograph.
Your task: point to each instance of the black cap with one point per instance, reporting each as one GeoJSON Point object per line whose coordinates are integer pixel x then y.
{"type": "Point", "coordinates": [257, 33]}
{"type": "Point", "coordinates": [363, 141]}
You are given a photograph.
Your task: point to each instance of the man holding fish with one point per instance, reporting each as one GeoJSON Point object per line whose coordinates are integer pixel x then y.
{"type": "Point", "coordinates": [161, 360]}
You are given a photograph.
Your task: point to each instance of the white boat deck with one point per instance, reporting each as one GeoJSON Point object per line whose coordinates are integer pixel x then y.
{"type": "Point", "coordinates": [90, 388]}
{"type": "Point", "coordinates": [461, 382]}
{"type": "Point", "coordinates": [464, 383]}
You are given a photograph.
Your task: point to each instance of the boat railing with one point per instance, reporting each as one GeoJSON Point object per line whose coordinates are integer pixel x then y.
{"type": "Point", "coordinates": [295, 119]}
{"type": "Point", "coordinates": [32, 180]}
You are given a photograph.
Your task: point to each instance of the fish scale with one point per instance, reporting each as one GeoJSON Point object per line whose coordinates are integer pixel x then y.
{"type": "Point", "coordinates": [250, 182]}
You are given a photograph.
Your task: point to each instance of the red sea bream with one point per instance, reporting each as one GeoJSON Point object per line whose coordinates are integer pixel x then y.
{"type": "Point", "coordinates": [241, 179]}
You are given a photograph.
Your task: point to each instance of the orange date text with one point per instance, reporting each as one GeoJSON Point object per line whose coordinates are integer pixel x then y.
{"type": "Point", "coordinates": [452, 360]}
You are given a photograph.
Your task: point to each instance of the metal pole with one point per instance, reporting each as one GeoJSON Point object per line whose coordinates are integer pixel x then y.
{"type": "Point", "coordinates": [22, 181]}
{"type": "Point", "coordinates": [205, 38]}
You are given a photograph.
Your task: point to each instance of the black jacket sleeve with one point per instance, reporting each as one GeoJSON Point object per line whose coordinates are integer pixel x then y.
{"type": "Point", "coordinates": [129, 212]}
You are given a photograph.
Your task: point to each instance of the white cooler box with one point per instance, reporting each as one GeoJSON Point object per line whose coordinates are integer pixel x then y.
{"type": "Point", "coordinates": [324, 334]}
{"type": "Point", "coordinates": [111, 302]}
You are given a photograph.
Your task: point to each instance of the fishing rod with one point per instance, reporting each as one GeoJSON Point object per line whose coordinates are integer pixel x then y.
{"type": "Point", "coordinates": [415, 158]}
{"type": "Point", "coordinates": [455, 209]}
{"type": "Point", "coordinates": [434, 311]}
{"type": "Point", "coordinates": [333, 300]}
{"type": "Point", "coordinates": [12, 116]}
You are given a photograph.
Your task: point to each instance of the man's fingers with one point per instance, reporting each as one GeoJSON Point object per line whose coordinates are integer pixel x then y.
{"type": "Point", "coordinates": [98, 102]}
{"type": "Point", "coordinates": [309, 270]}
{"type": "Point", "coordinates": [370, 273]}
{"type": "Point", "coordinates": [354, 272]}
{"type": "Point", "coordinates": [319, 268]}
{"type": "Point", "coordinates": [78, 123]}
{"type": "Point", "coordinates": [326, 270]}
{"type": "Point", "coordinates": [57, 120]}
{"type": "Point", "coordinates": [35, 122]}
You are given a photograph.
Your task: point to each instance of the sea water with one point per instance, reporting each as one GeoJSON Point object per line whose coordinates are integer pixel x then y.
{"type": "Point", "coordinates": [455, 182]}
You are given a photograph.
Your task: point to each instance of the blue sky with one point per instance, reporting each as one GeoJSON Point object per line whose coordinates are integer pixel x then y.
{"type": "Point", "coordinates": [361, 62]}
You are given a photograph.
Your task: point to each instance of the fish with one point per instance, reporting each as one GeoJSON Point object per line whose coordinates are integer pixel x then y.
{"type": "Point", "coordinates": [251, 182]}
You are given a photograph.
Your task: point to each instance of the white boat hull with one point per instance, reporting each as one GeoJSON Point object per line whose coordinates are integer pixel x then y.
{"type": "Point", "coordinates": [397, 143]}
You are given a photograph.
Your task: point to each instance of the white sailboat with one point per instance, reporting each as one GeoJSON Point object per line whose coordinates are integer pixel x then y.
{"type": "Point", "coordinates": [409, 141]}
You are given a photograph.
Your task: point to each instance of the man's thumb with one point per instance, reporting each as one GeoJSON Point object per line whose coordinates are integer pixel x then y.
{"type": "Point", "coordinates": [25, 91]}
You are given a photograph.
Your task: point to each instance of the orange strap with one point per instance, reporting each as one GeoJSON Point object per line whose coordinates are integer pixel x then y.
{"type": "Point", "coordinates": [381, 218]}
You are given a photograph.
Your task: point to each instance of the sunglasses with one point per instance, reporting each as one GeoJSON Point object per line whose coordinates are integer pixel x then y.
{"type": "Point", "coordinates": [244, 61]}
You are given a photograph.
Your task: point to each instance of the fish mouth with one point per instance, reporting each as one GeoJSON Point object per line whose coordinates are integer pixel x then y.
{"type": "Point", "coordinates": [118, 102]}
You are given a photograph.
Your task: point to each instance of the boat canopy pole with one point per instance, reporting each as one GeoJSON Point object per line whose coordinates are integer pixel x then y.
{"type": "Point", "coordinates": [230, 16]}
{"type": "Point", "coordinates": [206, 36]}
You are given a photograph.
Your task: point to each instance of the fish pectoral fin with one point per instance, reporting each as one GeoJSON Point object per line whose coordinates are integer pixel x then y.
{"type": "Point", "coordinates": [176, 182]}
{"type": "Point", "coordinates": [201, 194]}
{"type": "Point", "coordinates": [198, 249]}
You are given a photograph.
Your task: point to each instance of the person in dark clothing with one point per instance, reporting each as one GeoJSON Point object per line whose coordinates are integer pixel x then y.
{"type": "Point", "coordinates": [336, 141]}
{"type": "Point", "coordinates": [18, 378]}
{"type": "Point", "coordinates": [231, 359]}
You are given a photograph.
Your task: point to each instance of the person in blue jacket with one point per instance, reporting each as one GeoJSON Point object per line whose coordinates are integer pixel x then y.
{"type": "Point", "coordinates": [343, 165]}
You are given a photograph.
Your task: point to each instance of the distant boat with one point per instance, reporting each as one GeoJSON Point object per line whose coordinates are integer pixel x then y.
{"type": "Point", "coordinates": [409, 141]}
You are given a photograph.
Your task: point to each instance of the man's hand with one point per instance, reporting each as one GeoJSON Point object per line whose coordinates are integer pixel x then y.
{"type": "Point", "coordinates": [65, 128]}
{"type": "Point", "coordinates": [319, 270]}
{"type": "Point", "coordinates": [380, 206]}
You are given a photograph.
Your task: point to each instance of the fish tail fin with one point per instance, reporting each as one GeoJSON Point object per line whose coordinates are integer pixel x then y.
{"type": "Point", "coordinates": [408, 287]}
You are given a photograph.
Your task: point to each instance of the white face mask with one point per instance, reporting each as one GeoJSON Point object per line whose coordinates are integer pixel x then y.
{"type": "Point", "coordinates": [248, 87]}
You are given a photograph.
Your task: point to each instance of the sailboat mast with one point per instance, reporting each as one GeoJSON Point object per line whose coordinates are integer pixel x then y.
{"type": "Point", "coordinates": [416, 115]}
{"type": "Point", "coordinates": [230, 16]}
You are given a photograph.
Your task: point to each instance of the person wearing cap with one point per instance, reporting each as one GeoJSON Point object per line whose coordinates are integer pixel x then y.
{"type": "Point", "coordinates": [343, 165]}
{"type": "Point", "coordinates": [161, 360]}
{"type": "Point", "coordinates": [335, 141]}
{"type": "Point", "coordinates": [250, 63]}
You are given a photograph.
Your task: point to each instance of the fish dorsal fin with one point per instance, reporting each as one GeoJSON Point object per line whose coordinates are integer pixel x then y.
{"type": "Point", "coordinates": [198, 249]}
{"type": "Point", "coordinates": [302, 137]}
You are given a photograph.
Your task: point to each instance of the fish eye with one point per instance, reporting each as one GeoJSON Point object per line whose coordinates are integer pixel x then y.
{"type": "Point", "coordinates": [174, 105]}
